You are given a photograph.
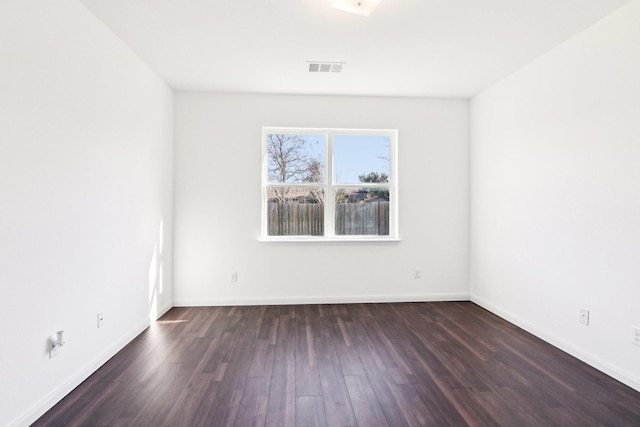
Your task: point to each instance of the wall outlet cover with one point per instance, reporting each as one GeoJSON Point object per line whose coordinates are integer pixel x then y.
{"type": "Point", "coordinates": [635, 335]}
{"type": "Point", "coordinates": [584, 316]}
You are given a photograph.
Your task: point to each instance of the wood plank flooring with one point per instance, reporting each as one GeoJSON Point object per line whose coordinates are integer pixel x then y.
{"type": "Point", "coordinates": [408, 364]}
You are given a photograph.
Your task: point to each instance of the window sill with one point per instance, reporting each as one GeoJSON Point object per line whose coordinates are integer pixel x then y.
{"type": "Point", "coordinates": [323, 240]}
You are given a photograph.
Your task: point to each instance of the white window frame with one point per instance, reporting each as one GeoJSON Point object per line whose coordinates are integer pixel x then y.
{"type": "Point", "coordinates": [329, 185]}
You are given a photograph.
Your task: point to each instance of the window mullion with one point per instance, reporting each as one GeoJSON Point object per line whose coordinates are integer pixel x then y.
{"type": "Point", "coordinates": [329, 208]}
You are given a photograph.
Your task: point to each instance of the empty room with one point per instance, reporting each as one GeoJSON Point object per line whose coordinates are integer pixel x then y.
{"type": "Point", "coordinates": [320, 213]}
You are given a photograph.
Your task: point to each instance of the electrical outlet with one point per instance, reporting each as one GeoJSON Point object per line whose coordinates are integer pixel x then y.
{"type": "Point", "coordinates": [416, 273]}
{"type": "Point", "coordinates": [635, 335]}
{"type": "Point", "coordinates": [100, 320]}
{"type": "Point", "coordinates": [584, 316]}
{"type": "Point", "coordinates": [234, 276]}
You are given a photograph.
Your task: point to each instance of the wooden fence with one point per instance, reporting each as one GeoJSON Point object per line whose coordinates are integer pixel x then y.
{"type": "Point", "coordinates": [362, 219]}
{"type": "Point", "coordinates": [307, 219]}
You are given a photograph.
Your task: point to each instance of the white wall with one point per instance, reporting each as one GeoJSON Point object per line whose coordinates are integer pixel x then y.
{"type": "Point", "coordinates": [217, 204]}
{"type": "Point", "coordinates": [85, 186]}
{"type": "Point", "coordinates": [555, 195]}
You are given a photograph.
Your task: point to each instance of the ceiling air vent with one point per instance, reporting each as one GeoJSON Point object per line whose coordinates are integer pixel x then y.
{"type": "Point", "coordinates": [325, 67]}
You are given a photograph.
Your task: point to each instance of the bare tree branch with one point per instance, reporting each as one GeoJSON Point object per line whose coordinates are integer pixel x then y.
{"type": "Point", "coordinates": [289, 161]}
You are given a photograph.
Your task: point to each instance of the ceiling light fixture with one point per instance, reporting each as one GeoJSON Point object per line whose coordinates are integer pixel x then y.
{"type": "Point", "coordinates": [359, 7]}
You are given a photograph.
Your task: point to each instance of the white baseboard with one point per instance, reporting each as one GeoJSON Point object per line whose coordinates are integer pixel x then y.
{"type": "Point", "coordinates": [577, 352]}
{"type": "Point", "coordinates": [353, 299]}
{"type": "Point", "coordinates": [49, 401]}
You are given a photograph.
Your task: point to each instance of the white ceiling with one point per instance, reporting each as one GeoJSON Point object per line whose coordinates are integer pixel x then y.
{"type": "Point", "coordinates": [437, 48]}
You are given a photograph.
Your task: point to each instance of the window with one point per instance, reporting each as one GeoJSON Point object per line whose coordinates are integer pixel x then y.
{"type": "Point", "coordinates": [329, 184]}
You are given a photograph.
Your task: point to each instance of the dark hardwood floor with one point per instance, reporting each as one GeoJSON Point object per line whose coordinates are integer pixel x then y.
{"type": "Point", "coordinates": [409, 364]}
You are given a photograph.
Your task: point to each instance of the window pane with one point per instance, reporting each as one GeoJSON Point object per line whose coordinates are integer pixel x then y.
{"type": "Point", "coordinates": [295, 211]}
{"type": "Point", "coordinates": [361, 158]}
{"type": "Point", "coordinates": [363, 211]}
{"type": "Point", "coordinates": [295, 158]}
